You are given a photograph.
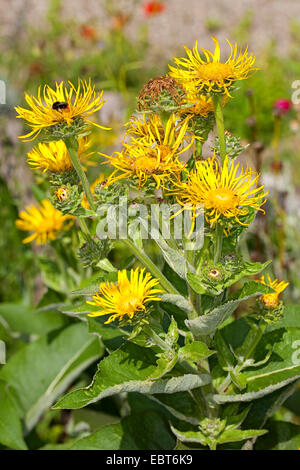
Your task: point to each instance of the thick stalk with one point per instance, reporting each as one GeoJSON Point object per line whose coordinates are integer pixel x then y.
{"type": "Point", "coordinates": [218, 243]}
{"type": "Point", "coordinates": [71, 145]}
{"type": "Point", "coordinates": [220, 125]}
{"type": "Point", "coordinates": [84, 228]}
{"type": "Point", "coordinates": [151, 266]}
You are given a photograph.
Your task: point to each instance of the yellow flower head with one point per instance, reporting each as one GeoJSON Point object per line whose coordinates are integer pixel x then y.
{"type": "Point", "coordinates": [208, 73]}
{"type": "Point", "coordinates": [153, 155]}
{"type": "Point", "coordinates": [44, 221]}
{"type": "Point", "coordinates": [202, 105]}
{"type": "Point", "coordinates": [54, 156]}
{"type": "Point", "coordinates": [271, 301]}
{"type": "Point", "coordinates": [127, 296]}
{"type": "Point", "coordinates": [63, 104]}
{"type": "Point", "coordinates": [144, 162]}
{"type": "Point", "coordinates": [98, 180]}
{"type": "Point", "coordinates": [220, 190]}
{"type": "Point", "coordinates": [145, 130]}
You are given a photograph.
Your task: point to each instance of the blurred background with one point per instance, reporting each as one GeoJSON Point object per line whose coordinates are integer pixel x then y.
{"type": "Point", "coordinates": [120, 45]}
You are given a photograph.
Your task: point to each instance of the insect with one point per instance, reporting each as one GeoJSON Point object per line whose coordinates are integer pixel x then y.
{"type": "Point", "coordinates": [58, 105]}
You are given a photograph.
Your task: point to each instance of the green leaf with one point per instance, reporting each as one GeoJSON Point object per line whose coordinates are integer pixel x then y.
{"type": "Point", "coordinates": [239, 380]}
{"type": "Point", "coordinates": [282, 436]}
{"type": "Point", "coordinates": [235, 435]}
{"type": "Point", "coordinates": [263, 408]}
{"type": "Point", "coordinates": [10, 425]}
{"type": "Point", "coordinates": [228, 435]}
{"type": "Point", "coordinates": [178, 300]}
{"type": "Point", "coordinates": [92, 287]}
{"type": "Point", "coordinates": [190, 436]}
{"type": "Point", "coordinates": [22, 319]}
{"type": "Point", "coordinates": [111, 336]}
{"type": "Point", "coordinates": [172, 334]}
{"type": "Point", "coordinates": [195, 351]}
{"type": "Point", "coordinates": [53, 276]}
{"type": "Point", "coordinates": [208, 324]}
{"type": "Point", "coordinates": [127, 370]}
{"type": "Point", "coordinates": [144, 431]}
{"type": "Point", "coordinates": [165, 364]}
{"type": "Point", "coordinates": [248, 269]}
{"type": "Point", "coordinates": [177, 405]}
{"type": "Point", "coordinates": [174, 258]}
{"type": "Point", "coordinates": [244, 397]}
{"type": "Point", "coordinates": [196, 283]}
{"type": "Point", "coordinates": [225, 356]}
{"type": "Point", "coordinates": [42, 370]}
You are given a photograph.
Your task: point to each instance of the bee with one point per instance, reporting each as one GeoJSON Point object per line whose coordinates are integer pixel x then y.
{"type": "Point", "coordinates": [58, 105]}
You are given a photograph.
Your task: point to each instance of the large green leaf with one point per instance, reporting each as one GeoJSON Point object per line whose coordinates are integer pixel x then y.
{"type": "Point", "coordinates": [208, 324]}
{"type": "Point", "coordinates": [282, 368]}
{"type": "Point", "coordinates": [111, 335]}
{"type": "Point", "coordinates": [42, 370]}
{"type": "Point", "coordinates": [282, 436]}
{"type": "Point", "coordinates": [144, 431]}
{"type": "Point", "coordinates": [262, 409]}
{"type": "Point", "coordinates": [247, 269]}
{"type": "Point", "coordinates": [23, 319]}
{"type": "Point", "coordinates": [10, 425]}
{"type": "Point", "coordinates": [178, 300]}
{"type": "Point", "coordinates": [128, 370]}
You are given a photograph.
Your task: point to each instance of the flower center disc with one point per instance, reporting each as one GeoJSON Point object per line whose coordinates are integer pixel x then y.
{"type": "Point", "coordinates": [222, 199]}
{"type": "Point", "coordinates": [129, 304]}
{"type": "Point", "coordinates": [216, 72]}
{"type": "Point", "coordinates": [147, 164]}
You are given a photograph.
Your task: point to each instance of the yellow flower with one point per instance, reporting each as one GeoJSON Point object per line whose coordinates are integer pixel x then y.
{"type": "Point", "coordinates": [44, 221]}
{"type": "Point", "coordinates": [202, 105]}
{"type": "Point", "coordinates": [220, 190]}
{"type": "Point", "coordinates": [154, 155]}
{"type": "Point", "coordinates": [54, 156]}
{"type": "Point", "coordinates": [271, 301]}
{"type": "Point", "coordinates": [144, 162]}
{"type": "Point", "coordinates": [127, 296]}
{"type": "Point", "coordinates": [145, 130]}
{"type": "Point", "coordinates": [208, 73]}
{"type": "Point", "coordinates": [63, 104]}
{"type": "Point", "coordinates": [98, 180]}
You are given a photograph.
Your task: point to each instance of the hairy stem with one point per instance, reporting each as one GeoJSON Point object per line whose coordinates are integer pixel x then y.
{"type": "Point", "coordinates": [148, 263]}
{"type": "Point", "coordinates": [218, 243]}
{"type": "Point", "coordinates": [220, 125]}
{"type": "Point", "coordinates": [71, 145]}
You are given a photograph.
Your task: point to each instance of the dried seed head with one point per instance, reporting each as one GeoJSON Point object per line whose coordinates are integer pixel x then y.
{"type": "Point", "coordinates": [152, 91]}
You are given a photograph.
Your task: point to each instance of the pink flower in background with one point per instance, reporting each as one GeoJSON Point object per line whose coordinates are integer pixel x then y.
{"type": "Point", "coordinates": [152, 8]}
{"type": "Point", "coordinates": [282, 106]}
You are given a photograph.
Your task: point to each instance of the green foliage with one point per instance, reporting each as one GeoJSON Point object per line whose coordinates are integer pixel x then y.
{"type": "Point", "coordinates": [200, 369]}
{"type": "Point", "coordinates": [146, 431]}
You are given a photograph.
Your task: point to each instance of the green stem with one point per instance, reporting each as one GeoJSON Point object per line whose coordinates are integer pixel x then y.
{"type": "Point", "coordinates": [257, 337]}
{"type": "Point", "coordinates": [220, 125]}
{"type": "Point", "coordinates": [156, 338]}
{"type": "Point", "coordinates": [71, 145]}
{"type": "Point", "coordinates": [84, 228]}
{"type": "Point", "coordinates": [151, 266]}
{"type": "Point", "coordinates": [218, 243]}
